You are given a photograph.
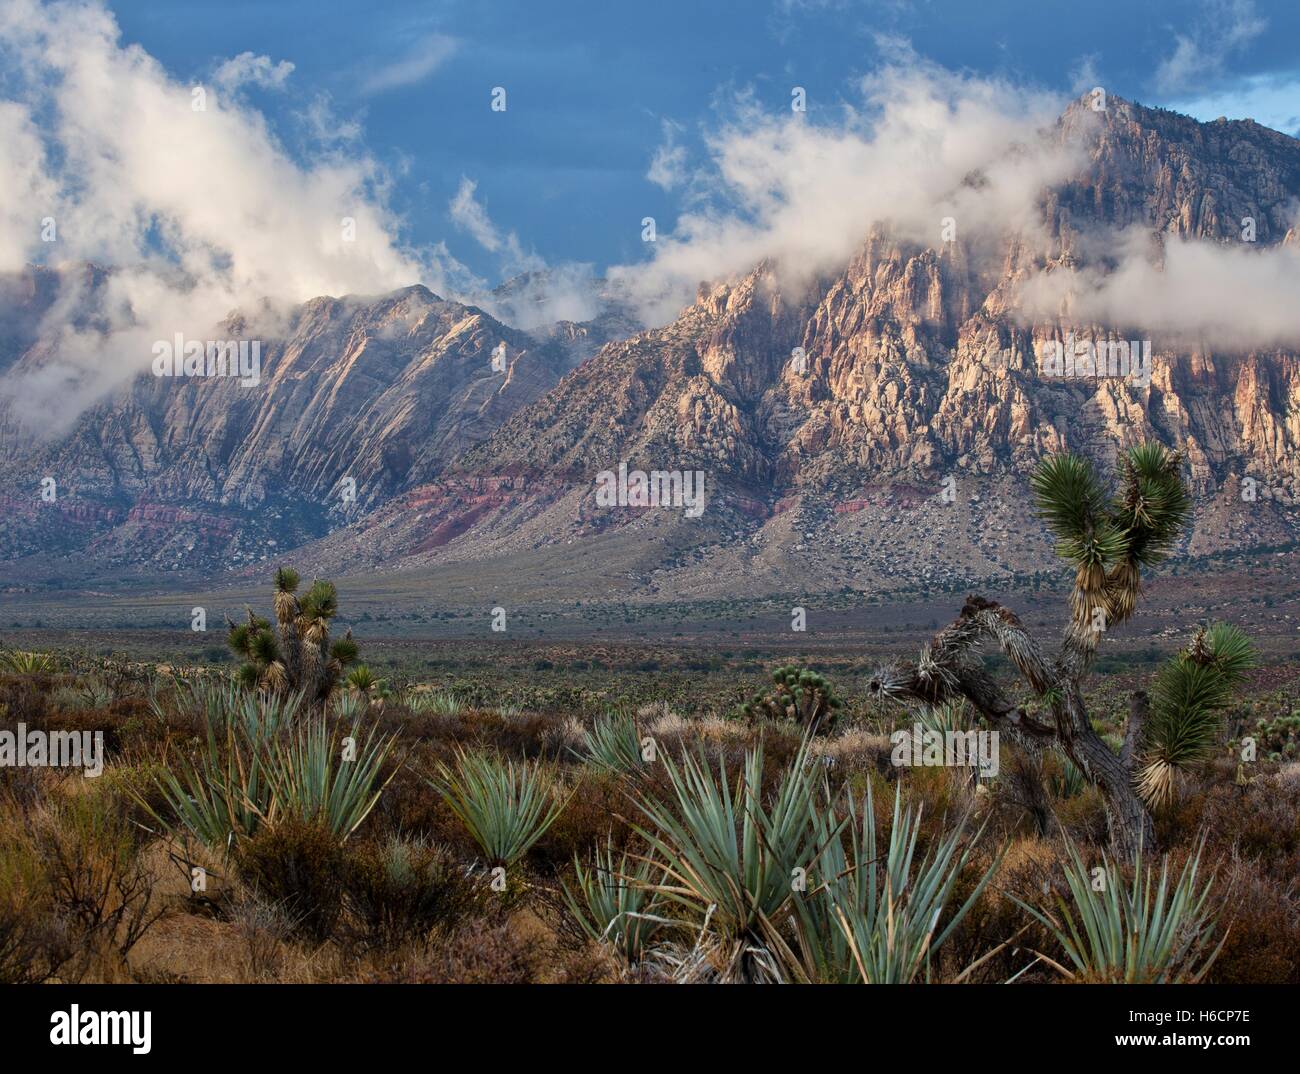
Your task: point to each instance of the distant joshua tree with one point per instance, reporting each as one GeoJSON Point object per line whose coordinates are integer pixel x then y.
{"type": "Point", "coordinates": [298, 655]}
{"type": "Point", "coordinates": [797, 694]}
{"type": "Point", "coordinates": [1108, 536]}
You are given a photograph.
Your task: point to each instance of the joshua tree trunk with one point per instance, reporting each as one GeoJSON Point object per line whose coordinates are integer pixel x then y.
{"type": "Point", "coordinates": [1139, 704]}
{"type": "Point", "coordinates": [950, 666]}
{"type": "Point", "coordinates": [1128, 819]}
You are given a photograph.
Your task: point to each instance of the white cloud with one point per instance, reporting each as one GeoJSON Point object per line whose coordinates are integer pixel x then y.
{"type": "Point", "coordinates": [201, 212]}
{"type": "Point", "coordinates": [418, 63]}
{"type": "Point", "coordinates": [1199, 295]}
{"type": "Point", "coordinates": [668, 165]}
{"type": "Point", "coordinates": [1224, 28]}
{"type": "Point", "coordinates": [470, 215]}
{"type": "Point", "coordinates": [247, 69]}
{"type": "Point", "coordinates": [927, 144]}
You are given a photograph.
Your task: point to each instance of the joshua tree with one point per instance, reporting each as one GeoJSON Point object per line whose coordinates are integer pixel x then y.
{"type": "Point", "coordinates": [803, 696]}
{"type": "Point", "coordinates": [302, 656]}
{"type": "Point", "coordinates": [1108, 536]}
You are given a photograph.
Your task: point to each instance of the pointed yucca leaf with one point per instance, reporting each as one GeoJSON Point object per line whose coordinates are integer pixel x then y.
{"type": "Point", "coordinates": [728, 858]}
{"type": "Point", "coordinates": [264, 647]}
{"type": "Point", "coordinates": [321, 601]}
{"type": "Point", "coordinates": [312, 777]}
{"type": "Point", "coordinates": [286, 580]}
{"type": "Point", "coordinates": [239, 639]}
{"type": "Point", "coordinates": [1071, 498]}
{"type": "Point", "coordinates": [256, 770]}
{"type": "Point", "coordinates": [344, 650]}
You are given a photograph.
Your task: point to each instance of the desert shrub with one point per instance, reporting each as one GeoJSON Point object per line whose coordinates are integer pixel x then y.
{"type": "Point", "coordinates": [529, 734]}
{"type": "Point", "coordinates": [989, 944]}
{"type": "Point", "coordinates": [1083, 817]}
{"type": "Point", "coordinates": [499, 952]}
{"type": "Point", "coordinates": [263, 928]}
{"type": "Point", "coordinates": [1262, 930]}
{"type": "Point", "coordinates": [597, 808]}
{"type": "Point", "coordinates": [82, 695]}
{"type": "Point", "coordinates": [412, 805]}
{"type": "Point", "coordinates": [479, 952]}
{"type": "Point", "coordinates": [402, 889]}
{"type": "Point", "coordinates": [297, 867]}
{"type": "Point", "coordinates": [35, 941]}
{"type": "Point", "coordinates": [76, 865]}
{"type": "Point", "coordinates": [24, 698]}
{"type": "Point", "coordinates": [113, 728]}
{"type": "Point", "coordinates": [1256, 821]}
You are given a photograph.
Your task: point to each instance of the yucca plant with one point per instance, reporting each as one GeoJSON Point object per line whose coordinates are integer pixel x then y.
{"type": "Point", "coordinates": [1109, 534]}
{"type": "Point", "coordinates": [729, 859]}
{"type": "Point", "coordinates": [505, 807]}
{"type": "Point", "coordinates": [1066, 781]}
{"type": "Point", "coordinates": [614, 901]}
{"type": "Point", "coordinates": [94, 693]}
{"type": "Point", "coordinates": [947, 716]}
{"type": "Point", "coordinates": [24, 663]}
{"type": "Point", "coordinates": [219, 704]}
{"type": "Point", "coordinates": [366, 684]}
{"type": "Point", "coordinates": [1190, 694]}
{"type": "Point", "coordinates": [613, 744]}
{"type": "Point", "coordinates": [443, 703]}
{"type": "Point", "coordinates": [875, 918]}
{"type": "Point", "coordinates": [1132, 931]}
{"type": "Point", "coordinates": [315, 777]}
{"type": "Point", "coordinates": [349, 705]}
{"type": "Point", "coordinates": [246, 777]}
{"type": "Point", "coordinates": [218, 797]}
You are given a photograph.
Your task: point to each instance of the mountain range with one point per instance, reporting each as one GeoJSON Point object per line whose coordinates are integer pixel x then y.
{"type": "Point", "coordinates": [872, 430]}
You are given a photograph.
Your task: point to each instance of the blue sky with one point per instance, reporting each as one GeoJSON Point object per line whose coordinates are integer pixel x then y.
{"type": "Point", "coordinates": [593, 87]}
